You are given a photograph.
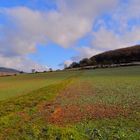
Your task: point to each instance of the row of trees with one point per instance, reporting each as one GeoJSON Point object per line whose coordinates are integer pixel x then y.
{"type": "Point", "coordinates": [82, 63]}
{"type": "Point", "coordinates": [35, 71]}
{"type": "Point", "coordinates": [119, 56]}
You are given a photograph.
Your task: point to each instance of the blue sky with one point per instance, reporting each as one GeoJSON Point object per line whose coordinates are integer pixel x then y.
{"type": "Point", "coordinates": [52, 55]}
{"type": "Point", "coordinates": [42, 33]}
{"type": "Point", "coordinates": [33, 4]}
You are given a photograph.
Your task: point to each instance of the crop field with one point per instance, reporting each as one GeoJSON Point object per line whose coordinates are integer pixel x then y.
{"type": "Point", "coordinates": [17, 85]}
{"type": "Point", "coordinates": [101, 104]}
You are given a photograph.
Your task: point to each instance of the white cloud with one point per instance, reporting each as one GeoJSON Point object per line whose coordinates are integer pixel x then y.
{"type": "Point", "coordinates": [21, 63]}
{"type": "Point", "coordinates": [67, 63]}
{"type": "Point", "coordinates": [64, 26]}
{"type": "Point", "coordinates": [38, 27]}
{"type": "Point", "coordinates": [86, 8]}
{"type": "Point", "coordinates": [72, 21]}
{"type": "Point", "coordinates": [132, 10]}
{"type": "Point", "coordinates": [108, 40]}
{"type": "Point", "coordinates": [87, 52]}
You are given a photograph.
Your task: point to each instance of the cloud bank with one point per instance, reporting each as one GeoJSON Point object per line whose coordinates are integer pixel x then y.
{"type": "Point", "coordinates": [65, 25]}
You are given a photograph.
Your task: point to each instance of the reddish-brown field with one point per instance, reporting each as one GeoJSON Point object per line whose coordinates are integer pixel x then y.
{"type": "Point", "coordinates": [63, 112]}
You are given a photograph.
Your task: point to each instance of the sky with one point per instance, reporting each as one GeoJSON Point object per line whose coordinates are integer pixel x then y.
{"type": "Point", "coordinates": [42, 34]}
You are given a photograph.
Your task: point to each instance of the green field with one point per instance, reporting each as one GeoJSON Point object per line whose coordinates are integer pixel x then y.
{"type": "Point", "coordinates": [101, 104]}
{"type": "Point", "coordinates": [17, 85]}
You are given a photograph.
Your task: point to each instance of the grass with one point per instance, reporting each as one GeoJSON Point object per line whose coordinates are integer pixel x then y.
{"type": "Point", "coordinates": [18, 85]}
{"type": "Point", "coordinates": [115, 86]}
{"type": "Point", "coordinates": [24, 116]}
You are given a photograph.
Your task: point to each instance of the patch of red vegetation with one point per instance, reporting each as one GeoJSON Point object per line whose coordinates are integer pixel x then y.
{"type": "Point", "coordinates": [24, 116]}
{"type": "Point", "coordinates": [57, 115]}
{"type": "Point", "coordinates": [68, 113]}
{"type": "Point", "coordinates": [73, 113]}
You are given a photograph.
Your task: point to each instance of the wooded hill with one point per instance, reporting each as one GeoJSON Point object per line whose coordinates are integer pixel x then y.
{"type": "Point", "coordinates": [114, 57]}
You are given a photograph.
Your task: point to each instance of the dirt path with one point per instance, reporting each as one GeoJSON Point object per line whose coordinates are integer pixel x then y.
{"type": "Point", "coordinates": [72, 106]}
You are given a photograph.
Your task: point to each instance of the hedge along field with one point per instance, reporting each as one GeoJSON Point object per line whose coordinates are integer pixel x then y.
{"type": "Point", "coordinates": [12, 86]}
{"type": "Point", "coordinates": [101, 104]}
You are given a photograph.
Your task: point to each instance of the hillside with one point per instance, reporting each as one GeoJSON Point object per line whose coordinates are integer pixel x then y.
{"type": "Point", "coordinates": [119, 56]}
{"type": "Point", "coordinates": [8, 71]}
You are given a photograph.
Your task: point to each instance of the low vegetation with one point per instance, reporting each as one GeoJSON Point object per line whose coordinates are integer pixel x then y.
{"type": "Point", "coordinates": [102, 104]}
{"type": "Point", "coordinates": [12, 86]}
